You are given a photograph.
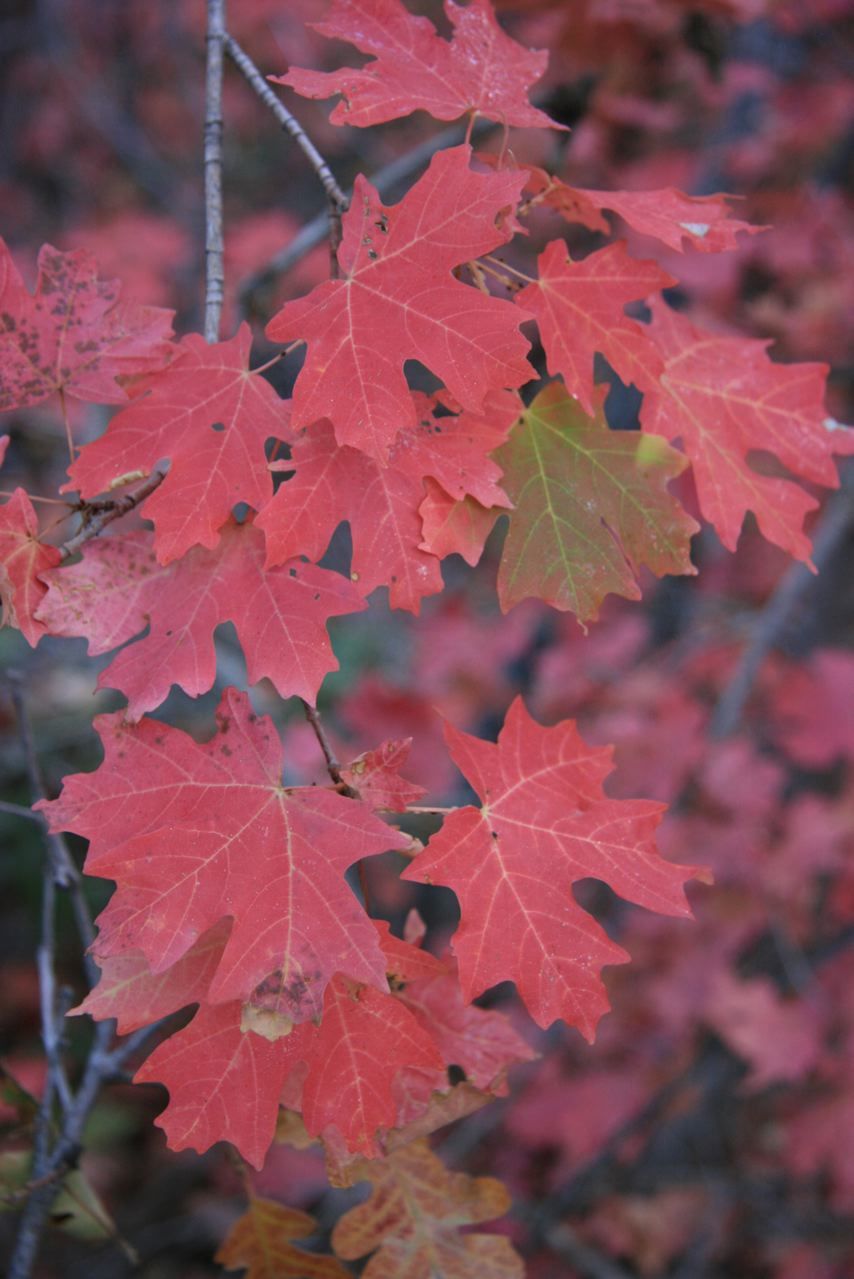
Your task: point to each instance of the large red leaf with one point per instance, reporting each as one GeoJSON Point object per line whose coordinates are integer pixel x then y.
{"type": "Point", "coordinates": [280, 614]}
{"type": "Point", "coordinates": [545, 823]}
{"type": "Point", "coordinates": [579, 307]}
{"type": "Point", "coordinates": [481, 70]}
{"type": "Point", "coordinates": [725, 398]}
{"type": "Point", "coordinates": [398, 301]}
{"type": "Point", "coordinates": [23, 559]}
{"type": "Point", "coordinates": [591, 507]}
{"type": "Point", "coordinates": [211, 417]}
{"type": "Point", "coordinates": [193, 833]}
{"type": "Point", "coordinates": [74, 335]}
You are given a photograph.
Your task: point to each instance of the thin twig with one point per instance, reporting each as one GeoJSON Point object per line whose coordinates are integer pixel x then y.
{"type": "Point", "coordinates": [97, 515]}
{"type": "Point", "coordinates": [386, 180]}
{"type": "Point", "coordinates": [214, 269]}
{"type": "Point", "coordinates": [333, 767]}
{"type": "Point", "coordinates": [336, 198]}
{"type": "Point", "coordinates": [62, 1158]}
{"type": "Point", "coordinates": [790, 592]}
{"type": "Point", "coordinates": [18, 810]}
{"type": "Point", "coordinates": [48, 1160]}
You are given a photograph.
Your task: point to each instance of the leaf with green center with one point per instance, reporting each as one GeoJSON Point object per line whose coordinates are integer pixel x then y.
{"type": "Point", "coordinates": [591, 508]}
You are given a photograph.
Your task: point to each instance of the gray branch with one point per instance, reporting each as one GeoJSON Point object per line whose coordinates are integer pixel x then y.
{"type": "Point", "coordinates": [214, 269]}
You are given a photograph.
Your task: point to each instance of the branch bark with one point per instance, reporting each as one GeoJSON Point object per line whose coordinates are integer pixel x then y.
{"type": "Point", "coordinates": [214, 269]}
{"type": "Point", "coordinates": [337, 200]}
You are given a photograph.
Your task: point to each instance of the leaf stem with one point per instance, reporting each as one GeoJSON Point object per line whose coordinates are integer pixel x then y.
{"type": "Point", "coordinates": [48, 501]}
{"type": "Point", "coordinates": [63, 404]}
{"type": "Point", "coordinates": [503, 267]}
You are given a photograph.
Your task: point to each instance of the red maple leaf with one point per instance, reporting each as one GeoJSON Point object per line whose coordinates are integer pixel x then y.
{"type": "Point", "coordinates": [449, 527]}
{"type": "Point", "coordinates": [23, 559]}
{"type": "Point", "coordinates": [545, 823]}
{"type": "Point", "coordinates": [332, 482]}
{"type": "Point", "coordinates": [481, 1041]}
{"type": "Point", "coordinates": [398, 301]}
{"type": "Point", "coordinates": [702, 221]}
{"type": "Point", "coordinates": [211, 417]}
{"type": "Point", "coordinates": [193, 833]}
{"type": "Point", "coordinates": [724, 397]}
{"type": "Point", "coordinates": [579, 309]}
{"type": "Point", "coordinates": [376, 776]}
{"type": "Point", "coordinates": [224, 1082]}
{"type": "Point", "coordinates": [365, 1039]}
{"type": "Point", "coordinates": [280, 615]}
{"type": "Point", "coordinates": [129, 991]}
{"type": "Point", "coordinates": [481, 70]}
{"type": "Point", "coordinates": [74, 335]}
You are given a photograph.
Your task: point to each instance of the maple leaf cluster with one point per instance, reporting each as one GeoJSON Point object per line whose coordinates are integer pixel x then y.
{"type": "Point", "coordinates": [231, 883]}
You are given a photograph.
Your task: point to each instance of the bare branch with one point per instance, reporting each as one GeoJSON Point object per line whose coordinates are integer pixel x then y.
{"type": "Point", "coordinates": [97, 515]}
{"type": "Point", "coordinates": [338, 201]}
{"type": "Point", "coordinates": [333, 767]}
{"type": "Point", "coordinates": [18, 810]}
{"type": "Point", "coordinates": [214, 269]}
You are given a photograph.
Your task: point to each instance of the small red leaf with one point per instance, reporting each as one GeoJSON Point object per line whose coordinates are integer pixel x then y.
{"type": "Point", "coordinates": [74, 335]}
{"type": "Point", "coordinates": [724, 398]}
{"type": "Point", "coordinates": [365, 1039]}
{"type": "Point", "coordinates": [23, 558]}
{"type": "Point", "coordinates": [224, 1083]}
{"type": "Point", "coordinates": [480, 70]}
{"type": "Point", "coordinates": [579, 309]}
{"type": "Point", "coordinates": [376, 776]}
